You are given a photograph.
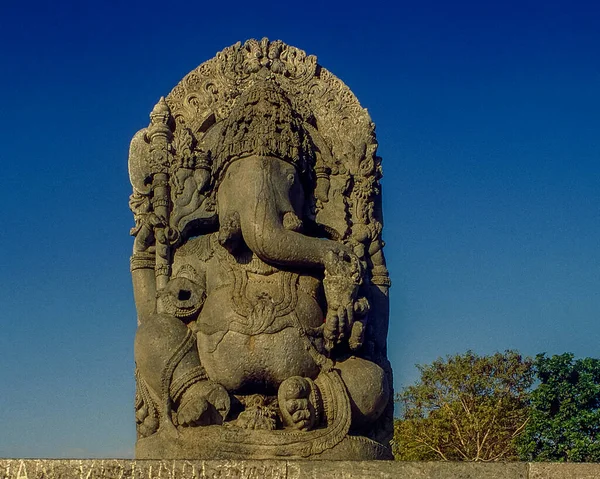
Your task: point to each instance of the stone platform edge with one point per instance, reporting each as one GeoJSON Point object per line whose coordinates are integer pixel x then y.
{"type": "Point", "coordinates": [252, 469]}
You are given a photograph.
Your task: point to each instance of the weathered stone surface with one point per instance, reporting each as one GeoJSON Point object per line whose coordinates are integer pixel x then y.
{"type": "Point", "coordinates": [258, 268]}
{"type": "Point", "coordinates": [543, 470]}
{"type": "Point", "coordinates": [123, 469]}
{"type": "Point", "coordinates": [412, 470]}
{"type": "Point", "coordinates": [178, 469]}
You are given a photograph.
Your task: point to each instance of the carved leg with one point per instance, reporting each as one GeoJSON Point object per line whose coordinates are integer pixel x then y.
{"type": "Point", "coordinates": [168, 363]}
{"type": "Point", "coordinates": [204, 403]}
{"type": "Point", "coordinates": [367, 387]}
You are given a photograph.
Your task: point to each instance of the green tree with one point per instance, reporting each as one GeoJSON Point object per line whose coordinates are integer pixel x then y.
{"type": "Point", "coordinates": [465, 408]}
{"type": "Point", "coordinates": [565, 411]}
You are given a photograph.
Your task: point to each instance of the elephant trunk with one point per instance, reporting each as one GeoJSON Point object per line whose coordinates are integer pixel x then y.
{"type": "Point", "coordinates": [264, 193]}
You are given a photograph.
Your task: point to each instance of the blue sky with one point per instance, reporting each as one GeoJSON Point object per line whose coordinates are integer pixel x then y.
{"type": "Point", "coordinates": [488, 119]}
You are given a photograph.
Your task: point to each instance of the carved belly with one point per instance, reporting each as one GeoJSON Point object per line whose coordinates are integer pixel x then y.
{"type": "Point", "coordinates": [253, 305]}
{"type": "Point", "coordinates": [257, 339]}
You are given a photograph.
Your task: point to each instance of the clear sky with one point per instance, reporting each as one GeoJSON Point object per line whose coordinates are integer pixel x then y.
{"type": "Point", "coordinates": [488, 119]}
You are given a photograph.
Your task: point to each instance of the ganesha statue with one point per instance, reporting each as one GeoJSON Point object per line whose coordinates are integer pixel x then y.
{"type": "Point", "coordinates": [258, 269]}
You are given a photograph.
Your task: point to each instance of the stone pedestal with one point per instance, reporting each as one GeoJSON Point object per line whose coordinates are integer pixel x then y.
{"type": "Point", "coordinates": [178, 469]}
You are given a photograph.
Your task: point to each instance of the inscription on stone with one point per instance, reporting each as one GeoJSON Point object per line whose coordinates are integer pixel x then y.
{"type": "Point", "coordinates": [180, 469]}
{"type": "Point", "coordinates": [126, 469]}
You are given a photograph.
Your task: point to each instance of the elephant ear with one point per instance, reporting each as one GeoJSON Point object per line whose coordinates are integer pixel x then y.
{"type": "Point", "coordinates": [347, 194]}
{"type": "Point", "coordinates": [347, 200]}
{"type": "Point", "coordinates": [192, 198]}
{"type": "Point", "coordinates": [329, 202]}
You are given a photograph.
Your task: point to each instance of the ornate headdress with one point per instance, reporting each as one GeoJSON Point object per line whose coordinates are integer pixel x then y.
{"type": "Point", "coordinates": [264, 123]}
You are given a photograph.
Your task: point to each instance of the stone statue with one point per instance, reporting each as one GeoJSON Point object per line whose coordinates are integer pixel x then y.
{"type": "Point", "coordinates": [258, 270]}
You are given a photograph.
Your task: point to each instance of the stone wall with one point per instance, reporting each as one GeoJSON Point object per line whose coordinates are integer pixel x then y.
{"type": "Point", "coordinates": [169, 469]}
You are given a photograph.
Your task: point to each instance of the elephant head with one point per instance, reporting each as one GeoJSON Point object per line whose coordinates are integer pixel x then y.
{"type": "Point", "coordinates": [263, 169]}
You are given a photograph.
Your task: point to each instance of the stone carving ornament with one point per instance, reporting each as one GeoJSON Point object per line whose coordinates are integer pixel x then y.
{"type": "Point", "coordinates": [258, 268]}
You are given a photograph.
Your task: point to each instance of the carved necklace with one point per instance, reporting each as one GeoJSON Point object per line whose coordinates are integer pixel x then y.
{"type": "Point", "coordinates": [258, 311]}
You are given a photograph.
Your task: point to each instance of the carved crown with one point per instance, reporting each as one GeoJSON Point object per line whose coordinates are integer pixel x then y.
{"type": "Point", "coordinates": [262, 122]}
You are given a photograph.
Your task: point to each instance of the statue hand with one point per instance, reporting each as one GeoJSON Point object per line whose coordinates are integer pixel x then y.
{"type": "Point", "coordinates": [145, 237]}
{"type": "Point", "coordinates": [342, 279]}
{"type": "Point", "coordinates": [338, 323]}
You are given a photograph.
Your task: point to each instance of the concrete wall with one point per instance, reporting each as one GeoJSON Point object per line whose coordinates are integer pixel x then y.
{"type": "Point", "coordinates": [124, 468]}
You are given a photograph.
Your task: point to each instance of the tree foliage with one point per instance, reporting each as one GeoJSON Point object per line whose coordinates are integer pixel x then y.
{"type": "Point", "coordinates": [565, 411]}
{"type": "Point", "coordinates": [465, 408]}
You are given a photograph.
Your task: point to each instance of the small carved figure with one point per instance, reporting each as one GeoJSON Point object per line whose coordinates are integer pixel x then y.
{"type": "Point", "coordinates": [258, 269]}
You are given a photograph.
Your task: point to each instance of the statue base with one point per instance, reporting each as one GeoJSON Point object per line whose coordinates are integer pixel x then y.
{"type": "Point", "coordinates": [217, 442]}
{"type": "Point", "coordinates": [179, 469]}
